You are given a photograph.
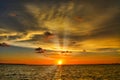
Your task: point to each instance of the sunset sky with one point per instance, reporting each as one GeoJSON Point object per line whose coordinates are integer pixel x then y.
{"type": "Point", "coordinates": [89, 29]}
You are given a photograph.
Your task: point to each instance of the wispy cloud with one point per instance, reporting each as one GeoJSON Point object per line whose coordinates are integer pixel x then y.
{"type": "Point", "coordinates": [76, 24]}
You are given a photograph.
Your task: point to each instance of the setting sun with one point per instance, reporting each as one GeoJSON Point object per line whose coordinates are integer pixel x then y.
{"type": "Point", "coordinates": [60, 62]}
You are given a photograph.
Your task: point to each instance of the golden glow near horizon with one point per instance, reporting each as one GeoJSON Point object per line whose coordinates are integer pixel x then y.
{"type": "Point", "coordinates": [60, 62]}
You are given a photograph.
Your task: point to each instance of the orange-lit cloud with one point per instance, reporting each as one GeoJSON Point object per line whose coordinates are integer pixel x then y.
{"type": "Point", "coordinates": [62, 26]}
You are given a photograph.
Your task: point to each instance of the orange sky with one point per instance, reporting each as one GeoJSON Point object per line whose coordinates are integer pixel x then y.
{"type": "Point", "coordinates": [65, 60]}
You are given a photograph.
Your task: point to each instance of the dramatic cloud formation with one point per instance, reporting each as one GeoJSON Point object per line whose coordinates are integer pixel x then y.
{"type": "Point", "coordinates": [75, 25]}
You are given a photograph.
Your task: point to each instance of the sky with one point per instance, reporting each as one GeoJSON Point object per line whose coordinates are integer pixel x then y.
{"type": "Point", "coordinates": [89, 29]}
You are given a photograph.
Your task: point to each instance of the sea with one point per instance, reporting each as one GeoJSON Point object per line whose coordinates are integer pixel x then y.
{"type": "Point", "coordinates": [59, 72]}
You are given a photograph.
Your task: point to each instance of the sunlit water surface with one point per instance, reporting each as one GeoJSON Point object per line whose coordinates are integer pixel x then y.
{"type": "Point", "coordinates": [66, 72]}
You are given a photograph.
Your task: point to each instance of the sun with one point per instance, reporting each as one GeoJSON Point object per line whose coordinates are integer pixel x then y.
{"type": "Point", "coordinates": [60, 62]}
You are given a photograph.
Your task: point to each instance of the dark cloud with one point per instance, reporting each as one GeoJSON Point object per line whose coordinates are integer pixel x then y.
{"type": "Point", "coordinates": [39, 50]}
{"type": "Point", "coordinates": [16, 18]}
{"type": "Point", "coordinates": [2, 38]}
{"type": "Point", "coordinates": [84, 20]}
{"type": "Point", "coordinates": [4, 45]}
{"type": "Point", "coordinates": [48, 35]}
{"type": "Point", "coordinates": [108, 49]}
{"type": "Point", "coordinates": [111, 28]}
{"type": "Point", "coordinates": [14, 37]}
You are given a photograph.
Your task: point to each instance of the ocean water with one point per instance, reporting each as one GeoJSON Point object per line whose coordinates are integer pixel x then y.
{"type": "Point", "coordinates": [54, 72]}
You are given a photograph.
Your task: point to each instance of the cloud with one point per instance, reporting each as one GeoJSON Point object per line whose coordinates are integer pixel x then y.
{"type": "Point", "coordinates": [76, 24]}
{"type": "Point", "coordinates": [49, 35]}
{"type": "Point", "coordinates": [108, 49]}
